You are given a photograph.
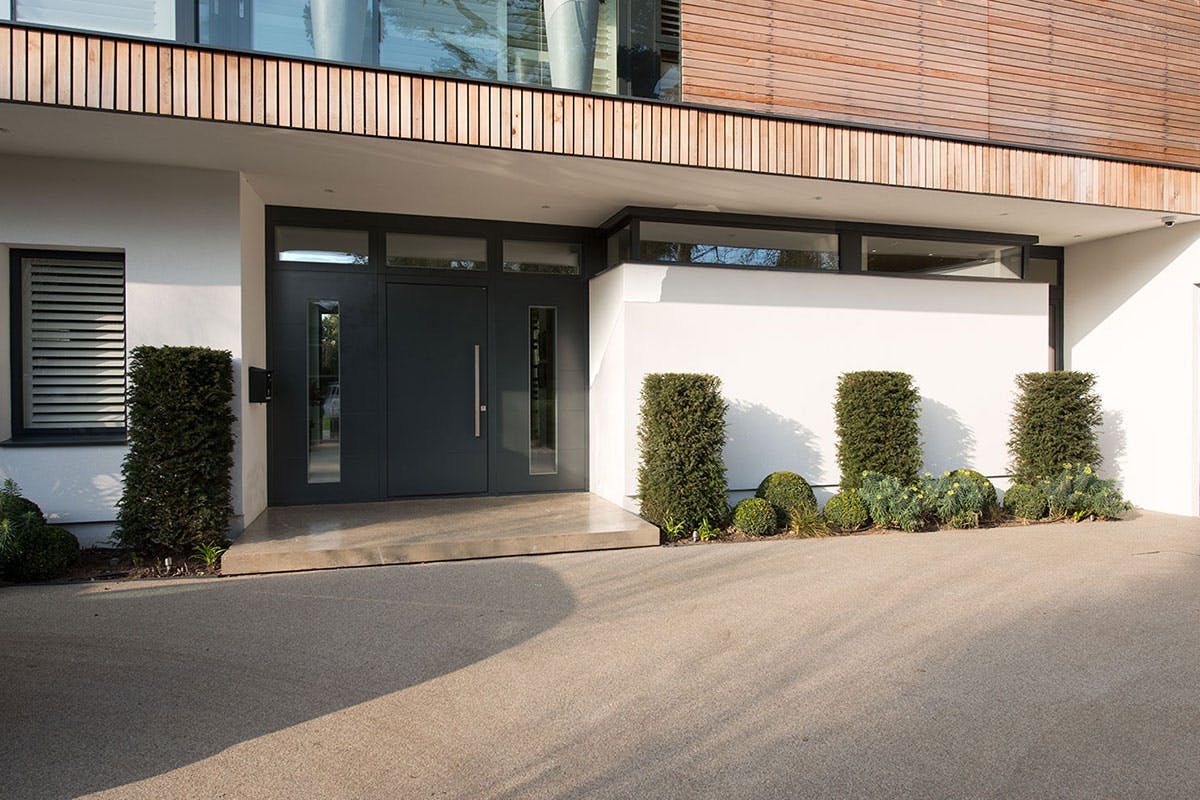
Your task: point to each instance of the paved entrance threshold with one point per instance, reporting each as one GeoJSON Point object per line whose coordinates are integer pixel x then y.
{"type": "Point", "coordinates": [291, 538]}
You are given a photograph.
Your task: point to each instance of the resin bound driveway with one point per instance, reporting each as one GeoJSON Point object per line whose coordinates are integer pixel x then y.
{"type": "Point", "coordinates": [1041, 662]}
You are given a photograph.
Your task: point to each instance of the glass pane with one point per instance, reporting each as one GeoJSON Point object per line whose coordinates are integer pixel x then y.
{"type": "Point", "coordinates": [543, 409]}
{"type": "Point", "coordinates": [489, 40]}
{"type": "Point", "coordinates": [652, 63]}
{"type": "Point", "coordinates": [742, 247]}
{"type": "Point", "coordinates": [436, 252]}
{"type": "Point", "coordinates": [960, 259]}
{"type": "Point", "coordinates": [546, 258]}
{"type": "Point", "coordinates": [333, 30]}
{"type": "Point", "coordinates": [461, 38]}
{"type": "Point", "coordinates": [324, 393]}
{"type": "Point", "coordinates": [1042, 270]}
{"type": "Point", "coordinates": [321, 246]}
{"type": "Point", "coordinates": [618, 247]}
{"type": "Point", "coordinates": [152, 19]}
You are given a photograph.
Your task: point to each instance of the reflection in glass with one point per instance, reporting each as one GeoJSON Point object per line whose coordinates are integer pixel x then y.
{"type": "Point", "coordinates": [619, 247]}
{"type": "Point", "coordinates": [324, 393]}
{"type": "Point", "coordinates": [543, 408]}
{"type": "Point", "coordinates": [333, 30]}
{"type": "Point", "coordinates": [545, 258]}
{"type": "Point", "coordinates": [493, 40]}
{"type": "Point", "coordinates": [151, 19]}
{"type": "Point", "coordinates": [436, 252]}
{"type": "Point", "coordinates": [321, 246]}
{"type": "Point", "coordinates": [742, 247]}
{"type": "Point", "coordinates": [959, 259]}
{"type": "Point", "coordinates": [650, 62]}
{"type": "Point", "coordinates": [486, 39]}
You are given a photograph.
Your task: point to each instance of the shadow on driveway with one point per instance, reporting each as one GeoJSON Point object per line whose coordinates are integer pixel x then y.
{"type": "Point", "coordinates": [104, 685]}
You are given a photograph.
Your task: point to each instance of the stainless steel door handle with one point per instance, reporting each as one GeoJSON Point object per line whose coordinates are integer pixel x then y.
{"type": "Point", "coordinates": [478, 407]}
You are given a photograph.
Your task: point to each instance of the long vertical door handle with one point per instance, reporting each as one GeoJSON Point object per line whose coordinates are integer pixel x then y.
{"type": "Point", "coordinates": [477, 406]}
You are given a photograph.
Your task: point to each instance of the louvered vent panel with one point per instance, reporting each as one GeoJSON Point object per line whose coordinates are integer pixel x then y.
{"type": "Point", "coordinates": [74, 328]}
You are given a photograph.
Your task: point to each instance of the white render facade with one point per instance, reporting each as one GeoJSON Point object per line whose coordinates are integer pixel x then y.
{"type": "Point", "coordinates": [195, 235]}
{"type": "Point", "coordinates": [199, 283]}
{"type": "Point", "coordinates": [197, 210]}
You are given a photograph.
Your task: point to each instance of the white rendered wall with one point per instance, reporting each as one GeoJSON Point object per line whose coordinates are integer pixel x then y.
{"type": "Point", "coordinates": [778, 341]}
{"type": "Point", "coordinates": [252, 417]}
{"type": "Point", "coordinates": [1131, 315]}
{"type": "Point", "coordinates": [180, 231]}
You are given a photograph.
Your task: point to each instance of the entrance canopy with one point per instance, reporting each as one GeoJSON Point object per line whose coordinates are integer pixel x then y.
{"type": "Point", "coordinates": [323, 170]}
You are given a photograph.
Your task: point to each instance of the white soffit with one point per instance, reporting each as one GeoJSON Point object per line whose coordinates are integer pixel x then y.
{"type": "Point", "coordinates": [360, 173]}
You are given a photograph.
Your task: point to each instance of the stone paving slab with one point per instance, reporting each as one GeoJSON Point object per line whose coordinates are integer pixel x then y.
{"type": "Point", "coordinates": [293, 538]}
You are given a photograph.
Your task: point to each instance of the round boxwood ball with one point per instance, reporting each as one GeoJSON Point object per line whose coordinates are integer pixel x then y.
{"type": "Point", "coordinates": [788, 494]}
{"type": "Point", "coordinates": [846, 511]}
{"type": "Point", "coordinates": [1025, 502]}
{"type": "Point", "coordinates": [754, 516]}
{"type": "Point", "coordinates": [985, 487]}
{"type": "Point", "coordinates": [39, 552]}
{"type": "Point", "coordinates": [13, 506]}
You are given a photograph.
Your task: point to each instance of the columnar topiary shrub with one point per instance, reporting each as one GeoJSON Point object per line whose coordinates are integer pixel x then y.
{"type": "Point", "coordinates": [1025, 502]}
{"type": "Point", "coordinates": [31, 550]}
{"type": "Point", "coordinates": [177, 471]}
{"type": "Point", "coordinates": [681, 475]}
{"type": "Point", "coordinates": [789, 494]}
{"type": "Point", "coordinates": [754, 516]}
{"type": "Point", "coordinates": [877, 426]}
{"type": "Point", "coordinates": [846, 512]}
{"type": "Point", "coordinates": [1054, 422]}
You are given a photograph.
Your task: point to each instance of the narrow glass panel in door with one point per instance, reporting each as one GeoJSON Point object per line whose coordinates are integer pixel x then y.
{"type": "Point", "coordinates": [324, 393]}
{"type": "Point", "coordinates": [543, 394]}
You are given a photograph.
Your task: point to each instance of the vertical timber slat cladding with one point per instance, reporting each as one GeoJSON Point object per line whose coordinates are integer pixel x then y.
{"type": "Point", "coordinates": [1115, 79]}
{"type": "Point", "coordinates": [104, 72]}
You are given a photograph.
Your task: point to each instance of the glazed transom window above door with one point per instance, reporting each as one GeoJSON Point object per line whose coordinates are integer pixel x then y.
{"type": "Point", "coordinates": [322, 246]}
{"type": "Point", "coordinates": [542, 258]}
{"type": "Point", "coordinates": [420, 251]}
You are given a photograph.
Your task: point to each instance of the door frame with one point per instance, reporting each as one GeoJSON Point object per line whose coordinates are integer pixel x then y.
{"type": "Point", "coordinates": [378, 225]}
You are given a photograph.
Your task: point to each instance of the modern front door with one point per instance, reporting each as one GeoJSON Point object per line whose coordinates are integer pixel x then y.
{"type": "Point", "coordinates": [437, 421]}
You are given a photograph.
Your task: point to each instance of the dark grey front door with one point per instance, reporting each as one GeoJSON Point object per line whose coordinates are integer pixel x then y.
{"type": "Point", "coordinates": [436, 388]}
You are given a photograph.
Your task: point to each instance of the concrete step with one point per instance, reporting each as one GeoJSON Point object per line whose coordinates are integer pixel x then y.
{"type": "Point", "coordinates": [292, 538]}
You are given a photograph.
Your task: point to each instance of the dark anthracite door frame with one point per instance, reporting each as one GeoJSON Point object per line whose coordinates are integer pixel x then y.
{"type": "Point", "coordinates": [509, 298]}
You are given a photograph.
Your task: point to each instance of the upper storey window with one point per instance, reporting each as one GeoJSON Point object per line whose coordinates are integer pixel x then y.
{"type": "Point", "coordinates": [620, 47]}
{"type": "Point", "coordinates": [150, 19]}
{"type": "Point", "coordinates": [625, 47]}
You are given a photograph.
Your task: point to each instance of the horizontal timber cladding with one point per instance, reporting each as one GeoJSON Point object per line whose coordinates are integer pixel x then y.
{"type": "Point", "coordinates": [98, 72]}
{"type": "Point", "coordinates": [1116, 78]}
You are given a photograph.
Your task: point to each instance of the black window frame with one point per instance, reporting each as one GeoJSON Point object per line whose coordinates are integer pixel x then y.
{"type": "Point", "coordinates": [22, 435]}
{"type": "Point", "coordinates": [1056, 334]}
{"type": "Point", "coordinates": [940, 235]}
{"type": "Point", "coordinates": [850, 235]}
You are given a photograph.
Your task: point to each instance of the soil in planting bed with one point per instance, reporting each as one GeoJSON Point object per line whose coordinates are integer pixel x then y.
{"type": "Point", "coordinates": [106, 564]}
{"type": "Point", "coordinates": [735, 536]}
